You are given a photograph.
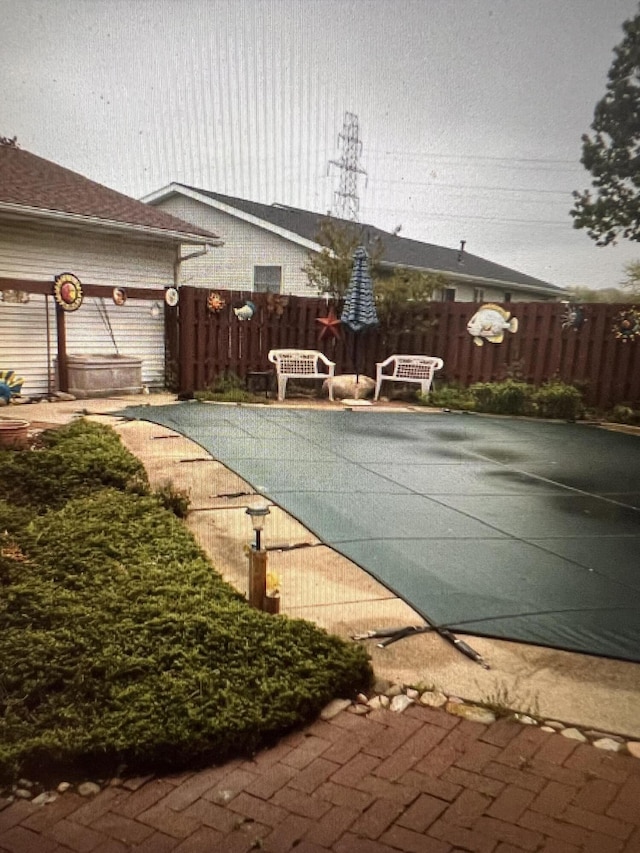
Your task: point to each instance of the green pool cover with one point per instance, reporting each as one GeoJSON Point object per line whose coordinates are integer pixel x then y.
{"type": "Point", "coordinates": [506, 528]}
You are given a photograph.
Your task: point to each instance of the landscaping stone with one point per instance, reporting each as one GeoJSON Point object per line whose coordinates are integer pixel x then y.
{"type": "Point", "coordinates": [44, 798]}
{"type": "Point", "coordinates": [433, 698]}
{"type": "Point", "coordinates": [608, 744]}
{"type": "Point", "coordinates": [88, 789]}
{"type": "Point", "coordinates": [633, 748]}
{"type": "Point", "coordinates": [345, 387]}
{"type": "Point", "coordinates": [526, 720]}
{"type": "Point", "coordinates": [400, 703]}
{"type": "Point", "coordinates": [333, 708]}
{"type": "Point", "coordinates": [470, 712]}
{"type": "Point", "coordinates": [573, 734]}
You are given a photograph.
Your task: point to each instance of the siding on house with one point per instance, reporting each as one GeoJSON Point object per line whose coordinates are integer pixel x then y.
{"type": "Point", "coordinates": [231, 266]}
{"type": "Point", "coordinates": [41, 253]}
{"type": "Point", "coordinates": [466, 292]}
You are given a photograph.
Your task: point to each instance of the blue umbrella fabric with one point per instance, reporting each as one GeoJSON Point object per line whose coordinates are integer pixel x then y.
{"type": "Point", "coordinates": [359, 310]}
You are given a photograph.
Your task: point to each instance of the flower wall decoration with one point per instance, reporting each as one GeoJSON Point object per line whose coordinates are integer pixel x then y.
{"type": "Point", "coordinates": [627, 325]}
{"type": "Point", "coordinates": [215, 303]}
{"type": "Point", "coordinates": [276, 303]}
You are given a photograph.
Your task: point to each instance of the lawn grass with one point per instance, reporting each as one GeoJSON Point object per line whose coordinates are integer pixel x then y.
{"type": "Point", "coordinates": [120, 643]}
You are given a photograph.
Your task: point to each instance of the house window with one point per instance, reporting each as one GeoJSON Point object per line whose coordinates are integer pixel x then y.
{"type": "Point", "coordinates": [448, 294]}
{"type": "Point", "coordinates": [478, 294]}
{"type": "Point", "coordinates": [267, 279]}
{"type": "Point", "coordinates": [507, 296]}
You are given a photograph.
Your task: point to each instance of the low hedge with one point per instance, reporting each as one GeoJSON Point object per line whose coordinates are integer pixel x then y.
{"type": "Point", "coordinates": [122, 645]}
{"type": "Point", "coordinates": [554, 399]}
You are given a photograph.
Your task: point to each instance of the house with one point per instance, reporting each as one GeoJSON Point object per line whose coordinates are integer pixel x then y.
{"type": "Point", "coordinates": [125, 255]}
{"type": "Point", "coordinates": [266, 246]}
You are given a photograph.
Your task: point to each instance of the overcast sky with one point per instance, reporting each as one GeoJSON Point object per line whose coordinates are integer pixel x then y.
{"type": "Point", "coordinates": [470, 111]}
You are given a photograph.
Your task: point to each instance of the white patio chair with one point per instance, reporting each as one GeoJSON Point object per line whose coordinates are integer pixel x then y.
{"type": "Point", "coordinates": [408, 368]}
{"type": "Point", "coordinates": [301, 364]}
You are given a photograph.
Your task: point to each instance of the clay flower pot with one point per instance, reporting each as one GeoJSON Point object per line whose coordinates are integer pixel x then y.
{"type": "Point", "coordinates": [14, 433]}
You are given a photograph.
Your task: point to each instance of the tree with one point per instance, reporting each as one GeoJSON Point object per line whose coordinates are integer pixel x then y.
{"type": "Point", "coordinates": [580, 293]}
{"type": "Point", "coordinates": [612, 154]}
{"type": "Point", "coordinates": [631, 281]}
{"type": "Point", "coordinates": [330, 269]}
{"type": "Point", "coordinates": [402, 297]}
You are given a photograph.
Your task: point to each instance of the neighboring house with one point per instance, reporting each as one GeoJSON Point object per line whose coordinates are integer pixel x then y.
{"type": "Point", "coordinates": [266, 246]}
{"type": "Point", "coordinates": [54, 221]}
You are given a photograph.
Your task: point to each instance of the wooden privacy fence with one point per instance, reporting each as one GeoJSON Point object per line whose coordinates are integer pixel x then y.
{"type": "Point", "coordinates": [203, 345]}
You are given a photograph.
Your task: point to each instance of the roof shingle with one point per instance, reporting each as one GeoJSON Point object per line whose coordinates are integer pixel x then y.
{"type": "Point", "coordinates": [33, 182]}
{"type": "Point", "coordinates": [397, 250]}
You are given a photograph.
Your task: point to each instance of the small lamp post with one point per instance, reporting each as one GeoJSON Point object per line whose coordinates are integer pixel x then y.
{"type": "Point", "coordinates": [257, 557]}
{"type": "Point", "coordinates": [257, 514]}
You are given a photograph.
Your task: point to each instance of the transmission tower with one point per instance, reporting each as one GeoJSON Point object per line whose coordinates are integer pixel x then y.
{"type": "Point", "coordinates": [346, 203]}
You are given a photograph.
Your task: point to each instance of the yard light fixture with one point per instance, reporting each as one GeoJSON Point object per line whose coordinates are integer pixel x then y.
{"type": "Point", "coordinates": [257, 513]}
{"type": "Point", "coordinates": [257, 557]}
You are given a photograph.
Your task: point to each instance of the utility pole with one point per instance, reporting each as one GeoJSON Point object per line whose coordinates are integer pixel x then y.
{"type": "Point", "coordinates": [346, 203]}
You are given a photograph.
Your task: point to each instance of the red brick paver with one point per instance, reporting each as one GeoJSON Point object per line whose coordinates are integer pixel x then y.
{"type": "Point", "coordinates": [422, 781]}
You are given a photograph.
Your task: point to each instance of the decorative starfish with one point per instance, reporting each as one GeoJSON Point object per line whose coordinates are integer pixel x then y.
{"type": "Point", "coordinates": [330, 324]}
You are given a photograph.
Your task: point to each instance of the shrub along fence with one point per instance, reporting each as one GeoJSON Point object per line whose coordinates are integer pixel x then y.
{"type": "Point", "coordinates": [203, 345]}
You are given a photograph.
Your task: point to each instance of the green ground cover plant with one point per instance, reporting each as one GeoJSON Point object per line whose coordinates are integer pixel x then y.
{"type": "Point", "coordinates": [228, 388]}
{"type": "Point", "coordinates": [553, 399]}
{"type": "Point", "coordinates": [120, 643]}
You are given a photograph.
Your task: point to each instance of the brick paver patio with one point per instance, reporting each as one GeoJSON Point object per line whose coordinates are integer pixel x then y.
{"type": "Point", "coordinates": [422, 781]}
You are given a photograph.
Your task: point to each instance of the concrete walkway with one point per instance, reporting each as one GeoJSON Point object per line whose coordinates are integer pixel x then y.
{"type": "Point", "coordinates": [421, 781]}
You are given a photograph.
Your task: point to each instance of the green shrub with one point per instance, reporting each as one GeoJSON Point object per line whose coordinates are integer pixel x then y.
{"type": "Point", "coordinates": [501, 398]}
{"type": "Point", "coordinates": [228, 388]}
{"type": "Point", "coordinates": [448, 397]}
{"type": "Point", "coordinates": [511, 397]}
{"type": "Point", "coordinates": [555, 399]}
{"type": "Point", "coordinates": [175, 500]}
{"type": "Point", "coordinates": [121, 644]}
{"type": "Point", "coordinates": [76, 460]}
{"type": "Point", "coordinates": [625, 415]}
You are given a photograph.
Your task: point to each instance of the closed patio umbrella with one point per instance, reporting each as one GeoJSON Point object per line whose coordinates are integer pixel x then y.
{"type": "Point", "coordinates": [359, 312]}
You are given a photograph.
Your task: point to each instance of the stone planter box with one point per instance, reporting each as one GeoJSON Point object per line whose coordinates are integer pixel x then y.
{"type": "Point", "coordinates": [104, 375]}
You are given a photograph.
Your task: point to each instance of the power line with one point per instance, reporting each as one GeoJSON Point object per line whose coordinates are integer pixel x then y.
{"type": "Point", "coordinates": [447, 216]}
{"type": "Point", "coordinates": [422, 155]}
{"type": "Point", "coordinates": [436, 186]}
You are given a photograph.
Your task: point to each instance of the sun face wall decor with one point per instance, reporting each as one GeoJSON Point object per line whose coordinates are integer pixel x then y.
{"type": "Point", "coordinates": [67, 291]}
